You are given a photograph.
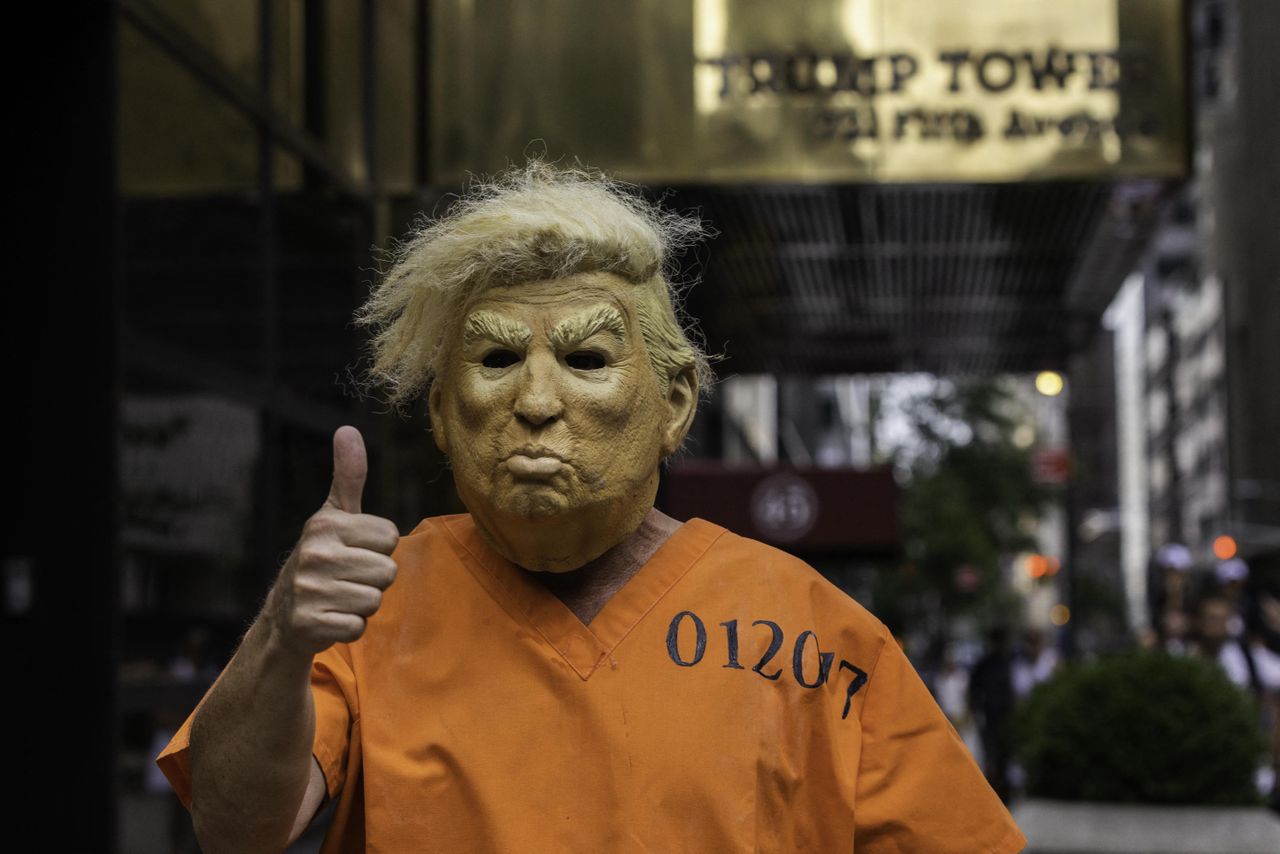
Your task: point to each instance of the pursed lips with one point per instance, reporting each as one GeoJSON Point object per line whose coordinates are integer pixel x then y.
{"type": "Point", "coordinates": [534, 461]}
{"type": "Point", "coordinates": [536, 451]}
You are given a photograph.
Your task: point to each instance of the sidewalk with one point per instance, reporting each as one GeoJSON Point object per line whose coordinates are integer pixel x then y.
{"type": "Point", "coordinates": [1061, 827]}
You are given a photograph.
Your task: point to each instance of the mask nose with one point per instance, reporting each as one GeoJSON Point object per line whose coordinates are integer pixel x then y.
{"type": "Point", "coordinates": [538, 399]}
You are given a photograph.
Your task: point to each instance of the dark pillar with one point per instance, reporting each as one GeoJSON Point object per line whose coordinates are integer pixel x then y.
{"type": "Point", "coordinates": [60, 555]}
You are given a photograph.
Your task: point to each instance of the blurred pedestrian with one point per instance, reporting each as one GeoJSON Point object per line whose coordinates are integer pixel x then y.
{"type": "Point", "coordinates": [991, 699]}
{"type": "Point", "coordinates": [1244, 658]}
{"type": "Point", "coordinates": [1175, 629]}
{"type": "Point", "coordinates": [1268, 620]}
{"type": "Point", "coordinates": [1232, 577]}
{"type": "Point", "coordinates": [193, 664]}
{"type": "Point", "coordinates": [951, 689]}
{"type": "Point", "coordinates": [1254, 668]}
{"type": "Point", "coordinates": [1034, 664]}
{"type": "Point", "coordinates": [1169, 592]}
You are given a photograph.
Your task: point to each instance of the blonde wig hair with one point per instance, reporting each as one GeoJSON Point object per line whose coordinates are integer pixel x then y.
{"type": "Point", "coordinates": [528, 224]}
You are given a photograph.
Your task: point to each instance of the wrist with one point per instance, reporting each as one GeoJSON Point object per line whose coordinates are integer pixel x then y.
{"type": "Point", "coordinates": [277, 643]}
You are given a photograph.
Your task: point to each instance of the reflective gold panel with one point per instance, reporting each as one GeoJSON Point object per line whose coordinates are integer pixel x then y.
{"type": "Point", "coordinates": [820, 90]}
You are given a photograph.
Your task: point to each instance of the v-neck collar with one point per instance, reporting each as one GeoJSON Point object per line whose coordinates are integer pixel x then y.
{"type": "Point", "coordinates": [583, 647]}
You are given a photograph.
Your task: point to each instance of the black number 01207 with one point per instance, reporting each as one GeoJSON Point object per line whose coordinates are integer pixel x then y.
{"type": "Point", "coordinates": [776, 638]}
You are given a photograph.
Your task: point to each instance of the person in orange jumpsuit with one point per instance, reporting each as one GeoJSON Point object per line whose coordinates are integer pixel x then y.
{"type": "Point", "coordinates": [564, 667]}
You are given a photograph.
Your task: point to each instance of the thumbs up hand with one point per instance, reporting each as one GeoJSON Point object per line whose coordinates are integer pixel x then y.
{"type": "Point", "coordinates": [333, 581]}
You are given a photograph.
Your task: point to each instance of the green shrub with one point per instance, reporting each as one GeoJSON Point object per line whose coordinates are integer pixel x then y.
{"type": "Point", "coordinates": [1140, 728]}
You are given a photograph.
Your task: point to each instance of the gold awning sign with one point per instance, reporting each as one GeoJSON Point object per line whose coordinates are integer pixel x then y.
{"type": "Point", "coordinates": [822, 91]}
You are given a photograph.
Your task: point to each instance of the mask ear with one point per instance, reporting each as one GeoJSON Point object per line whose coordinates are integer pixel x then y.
{"type": "Point", "coordinates": [682, 405]}
{"type": "Point", "coordinates": [435, 410]}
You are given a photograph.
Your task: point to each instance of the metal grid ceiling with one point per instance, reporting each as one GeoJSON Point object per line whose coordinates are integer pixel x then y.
{"type": "Point", "coordinates": [955, 279]}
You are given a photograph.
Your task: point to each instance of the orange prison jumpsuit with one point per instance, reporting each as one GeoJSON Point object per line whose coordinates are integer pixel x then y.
{"type": "Point", "coordinates": [727, 699]}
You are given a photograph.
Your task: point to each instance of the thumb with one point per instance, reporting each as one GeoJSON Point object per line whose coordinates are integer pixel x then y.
{"type": "Point", "coordinates": [350, 466]}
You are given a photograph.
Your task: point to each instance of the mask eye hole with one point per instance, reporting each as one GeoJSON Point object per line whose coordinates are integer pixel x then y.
{"type": "Point", "coordinates": [585, 360]}
{"type": "Point", "coordinates": [499, 359]}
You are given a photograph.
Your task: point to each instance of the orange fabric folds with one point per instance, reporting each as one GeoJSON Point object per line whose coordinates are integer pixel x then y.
{"type": "Point", "coordinates": [728, 698]}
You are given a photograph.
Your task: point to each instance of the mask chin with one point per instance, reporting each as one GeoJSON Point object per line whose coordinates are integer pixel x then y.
{"type": "Point", "coordinates": [563, 541]}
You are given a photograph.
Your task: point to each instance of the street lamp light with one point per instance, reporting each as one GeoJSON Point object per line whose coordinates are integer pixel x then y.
{"type": "Point", "coordinates": [1049, 383]}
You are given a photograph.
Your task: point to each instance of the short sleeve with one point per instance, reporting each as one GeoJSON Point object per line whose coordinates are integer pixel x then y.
{"type": "Point", "coordinates": [333, 685]}
{"type": "Point", "coordinates": [918, 786]}
{"type": "Point", "coordinates": [333, 689]}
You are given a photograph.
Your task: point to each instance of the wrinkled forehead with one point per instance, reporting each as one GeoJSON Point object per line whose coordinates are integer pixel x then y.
{"type": "Point", "coordinates": [578, 305]}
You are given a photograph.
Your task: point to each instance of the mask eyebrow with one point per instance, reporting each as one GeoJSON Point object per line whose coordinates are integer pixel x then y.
{"type": "Point", "coordinates": [578, 328]}
{"type": "Point", "coordinates": [491, 326]}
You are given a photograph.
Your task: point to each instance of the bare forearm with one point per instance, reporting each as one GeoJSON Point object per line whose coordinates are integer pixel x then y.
{"type": "Point", "coordinates": [251, 747]}
{"type": "Point", "coordinates": [251, 740]}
